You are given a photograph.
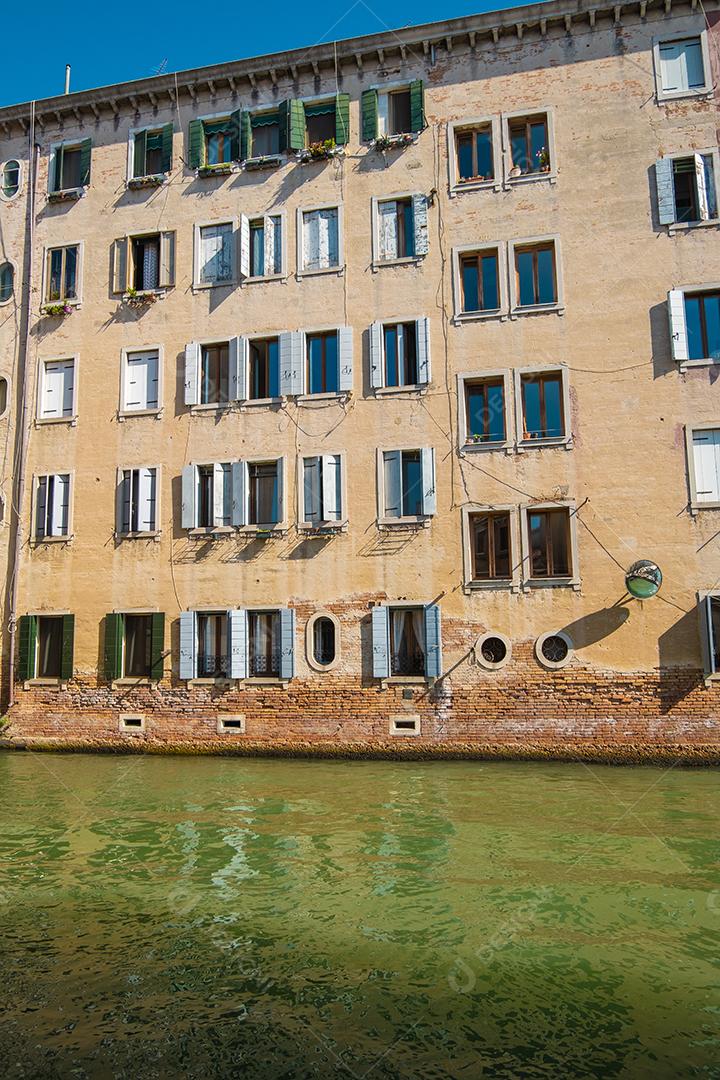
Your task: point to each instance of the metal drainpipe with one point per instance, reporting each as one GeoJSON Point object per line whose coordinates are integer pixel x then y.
{"type": "Point", "coordinates": [22, 444]}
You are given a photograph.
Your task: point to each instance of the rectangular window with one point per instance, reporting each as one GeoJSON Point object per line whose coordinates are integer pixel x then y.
{"type": "Point", "coordinates": [322, 363]}
{"type": "Point", "coordinates": [152, 151]}
{"type": "Point", "coordinates": [702, 318]}
{"type": "Point", "coordinates": [264, 369]}
{"type": "Point", "coordinates": [549, 536]}
{"type": "Point", "coordinates": [49, 647]}
{"type": "Point", "coordinates": [706, 465]}
{"type": "Point", "coordinates": [137, 646]}
{"type": "Point", "coordinates": [401, 361]}
{"type": "Point", "coordinates": [52, 506]}
{"type": "Point", "coordinates": [397, 229]}
{"type": "Point", "coordinates": [320, 242]}
{"type": "Point", "coordinates": [535, 277]}
{"type": "Point", "coordinates": [263, 493]}
{"type": "Point", "coordinates": [216, 256]}
{"type": "Point", "coordinates": [542, 406]}
{"type": "Point", "coordinates": [403, 483]}
{"type": "Point", "coordinates": [529, 145]}
{"type": "Point", "coordinates": [711, 633]}
{"type": "Point", "coordinates": [694, 188]}
{"type": "Point", "coordinates": [265, 129]}
{"type": "Point", "coordinates": [266, 246]}
{"type": "Point", "coordinates": [138, 501]}
{"type": "Point", "coordinates": [214, 495]}
{"type": "Point", "coordinates": [474, 154]}
{"type": "Point", "coordinates": [485, 411]}
{"type": "Point", "coordinates": [218, 142]}
{"type": "Point", "coordinates": [69, 168]}
{"type": "Point", "coordinates": [407, 641]}
{"type": "Point", "coordinates": [57, 390]}
{"type": "Point", "coordinates": [320, 123]}
{"type": "Point", "coordinates": [491, 546]}
{"type": "Point", "coordinates": [62, 274]}
{"type": "Point", "coordinates": [145, 251]}
{"type": "Point", "coordinates": [264, 644]}
{"type": "Point", "coordinates": [214, 374]}
{"type": "Point", "coordinates": [399, 112]}
{"type": "Point", "coordinates": [322, 489]}
{"type": "Point", "coordinates": [212, 645]}
{"type": "Point", "coordinates": [682, 68]}
{"type": "Point", "coordinates": [479, 281]}
{"type": "Point", "coordinates": [141, 382]}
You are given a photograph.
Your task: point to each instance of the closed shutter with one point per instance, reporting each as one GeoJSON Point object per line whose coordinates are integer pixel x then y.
{"type": "Point", "coordinates": [167, 147]}
{"type": "Point", "coordinates": [296, 124]}
{"type": "Point", "coordinates": [388, 230]}
{"type": "Point", "coordinates": [245, 136]}
{"type": "Point", "coordinates": [196, 144]}
{"type": "Point", "coordinates": [235, 126]}
{"type": "Point", "coordinates": [41, 506]}
{"type": "Point", "coordinates": [706, 458]}
{"type": "Point", "coordinates": [311, 240]}
{"type": "Point", "coordinates": [167, 260]}
{"type": "Point", "coordinates": [420, 224]}
{"type": "Point", "coordinates": [192, 373]}
{"type": "Point", "coordinates": [702, 190]}
{"type": "Point", "coordinates": [369, 110]}
{"type": "Point", "coordinates": [189, 497]}
{"type": "Point", "coordinates": [417, 105]}
{"type": "Point", "coordinates": [244, 246]}
{"type": "Point", "coordinates": [433, 642]}
{"type": "Point", "coordinates": [330, 225]}
{"type": "Point", "coordinates": [141, 381]}
{"type": "Point", "coordinates": [377, 367]}
{"type": "Point", "coordinates": [147, 500]}
{"type": "Point", "coordinates": [68, 642]}
{"type": "Point", "coordinates": [422, 340]}
{"type": "Point", "coordinates": [58, 389]}
{"type": "Point", "coordinates": [157, 645]}
{"type": "Point", "coordinates": [55, 181]}
{"type": "Point", "coordinates": [27, 647]}
{"type": "Point", "coordinates": [188, 652]}
{"type": "Point", "coordinates": [85, 157]}
{"type": "Point", "coordinates": [392, 476]}
{"type": "Point", "coordinates": [60, 504]}
{"type": "Point", "coordinates": [238, 349]}
{"type": "Point", "coordinates": [287, 643]}
{"type": "Point", "coordinates": [678, 325]}
{"type": "Point", "coordinates": [68, 388]}
{"type": "Point", "coordinates": [312, 491]}
{"type": "Point", "coordinates": [381, 642]}
{"type": "Point", "coordinates": [342, 119]}
{"type": "Point", "coordinates": [120, 265]}
{"type": "Point", "coordinates": [331, 488]}
{"type": "Point", "coordinates": [237, 643]}
{"type": "Point", "coordinates": [292, 367]}
{"type": "Point", "coordinates": [239, 493]}
{"type": "Point", "coordinates": [273, 245]}
{"type": "Point", "coordinates": [113, 646]}
{"type": "Point", "coordinates": [219, 503]}
{"type": "Point", "coordinates": [665, 190]}
{"type": "Point", "coordinates": [140, 154]}
{"type": "Point", "coordinates": [345, 358]}
{"type": "Point", "coordinates": [427, 462]}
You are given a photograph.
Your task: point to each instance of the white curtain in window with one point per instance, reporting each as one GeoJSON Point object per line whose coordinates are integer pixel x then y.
{"type": "Point", "coordinates": [151, 264]}
{"type": "Point", "coordinates": [320, 239]}
{"type": "Point", "coordinates": [388, 227]}
{"type": "Point", "coordinates": [216, 253]}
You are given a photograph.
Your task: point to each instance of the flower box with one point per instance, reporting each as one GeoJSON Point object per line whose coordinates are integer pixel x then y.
{"type": "Point", "coordinates": [57, 311]}
{"type": "Point", "coordinates": [155, 180]}
{"type": "Point", "coordinates": [139, 299]}
{"type": "Point", "coordinates": [319, 152]}
{"type": "Point", "coordinates": [392, 142]}
{"type": "Point", "coordinates": [66, 195]}
{"type": "Point", "coordinates": [223, 169]}
{"type": "Point", "coordinates": [269, 161]}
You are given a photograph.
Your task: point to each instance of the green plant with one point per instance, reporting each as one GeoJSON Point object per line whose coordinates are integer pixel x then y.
{"type": "Point", "coordinates": [57, 310]}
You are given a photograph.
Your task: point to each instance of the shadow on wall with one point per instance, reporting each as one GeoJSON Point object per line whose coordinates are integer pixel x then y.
{"type": "Point", "coordinates": [596, 626]}
{"type": "Point", "coordinates": [661, 345]}
{"type": "Point", "coordinates": [680, 660]}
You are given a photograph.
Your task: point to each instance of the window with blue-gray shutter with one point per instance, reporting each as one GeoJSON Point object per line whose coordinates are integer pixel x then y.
{"type": "Point", "coordinates": [678, 325]}
{"type": "Point", "coordinates": [187, 645]}
{"type": "Point", "coordinates": [287, 643]}
{"type": "Point", "coordinates": [292, 366]}
{"type": "Point", "coordinates": [433, 642]}
{"type": "Point", "coordinates": [237, 643]}
{"type": "Point", "coordinates": [380, 642]}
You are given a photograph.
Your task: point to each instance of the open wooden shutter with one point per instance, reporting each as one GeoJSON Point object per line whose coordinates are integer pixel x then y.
{"type": "Point", "coordinates": [422, 340]}
{"type": "Point", "coordinates": [55, 178]}
{"type": "Point", "coordinates": [345, 358]}
{"type": "Point", "coordinates": [377, 368]}
{"type": "Point", "coordinates": [188, 513]}
{"type": "Point", "coordinates": [120, 265]}
{"type": "Point", "coordinates": [85, 157]}
{"type": "Point", "coordinates": [296, 124]}
{"type": "Point", "coordinates": [678, 325]}
{"type": "Point", "coordinates": [369, 110]}
{"type": "Point", "coordinates": [292, 365]}
{"type": "Point", "coordinates": [427, 462]}
{"type": "Point", "coordinates": [342, 119]}
{"type": "Point", "coordinates": [245, 135]}
{"type": "Point", "coordinates": [237, 643]}
{"type": "Point", "coordinates": [287, 643]}
{"type": "Point", "coordinates": [665, 190]}
{"type": "Point", "coordinates": [702, 187]}
{"type": "Point", "coordinates": [192, 373]}
{"type": "Point", "coordinates": [420, 224]}
{"type": "Point", "coordinates": [235, 126]}
{"type": "Point", "coordinates": [239, 493]}
{"type": "Point", "coordinates": [27, 647]}
{"type": "Point", "coordinates": [218, 494]}
{"type": "Point", "coordinates": [167, 147]}
{"type": "Point", "coordinates": [380, 642]}
{"type": "Point", "coordinates": [392, 483]}
{"type": "Point", "coordinates": [433, 642]}
{"type": "Point", "coordinates": [331, 488]}
{"type": "Point", "coordinates": [196, 144]}
{"type": "Point", "coordinates": [238, 349]}
{"type": "Point", "coordinates": [68, 640]}
{"type": "Point", "coordinates": [113, 646]}
{"type": "Point", "coordinates": [244, 246]}
{"type": "Point", "coordinates": [417, 105]}
{"type": "Point", "coordinates": [166, 277]}
{"type": "Point", "coordinates": [388, 230]}
{"type": "Point", "coordinates": [140, 153]}
{"type": "Point", "coordinates": [186, 666]}
{"type": "Point", "coordinates": [157, 645]}
{"type": "Point", "coordinates": [147, 502]}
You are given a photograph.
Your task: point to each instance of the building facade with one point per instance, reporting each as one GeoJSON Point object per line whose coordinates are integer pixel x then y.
{"type": "Point", "coordinates": [344, 385]}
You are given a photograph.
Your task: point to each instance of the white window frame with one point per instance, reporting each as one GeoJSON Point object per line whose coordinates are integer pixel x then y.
{"type": "Point", "coordinates": [301, 211]}
{"type": "Point", "coordinates": [69, 144]}
{"type": "Point", "coordinates": [573, 579]}
{"type": "Point", "coordinates": [161, 290]}
{"type": "Point", "coordinates": [695, 506]}
{"type": "Point", "coordinates": [693, 290]}
{"type": "Point", "coordinates": [565, 440]}
{"type": "Point", "coordinates": [710, 151]}
{"type": "Point", "coordinates": [123, 412]}
{"type": "Point", "coordinates": [398, 522]}
{"type": "Point", "coordinates": [417, 389]}
{"type": "Point", "coordinates": [77, 302]}
{"type": "Point", "coordinates": [8, 404]}
{"type": "Point", "coordinates": [508, 442]}
{"type": "Point", "coordinates": [150, 534]}
{"type": "Point", "coordinates": [252, 402]}
{"type": "Point", "coordinates": [309, 640]}
{"type": "Point", "coordinates": [69, 536]}
{"type": "Point", "coordinates": [535, 309]}
{"type": "Point", "coordinates": [488, 664]}
{"type": "Point", "coordinates": [283, 274]}
{"type": "Point", "coordinates": [42, 364]}
{"type": "Point", "coordinates": [377, 262]}
{"type": "Point", "coordinates": [279, 527]}
{"type": "Point", "coordinates": [21, 177]}
{"type": "Point", "coordinates": [11, 262]}
{"type": "Point", "coordinates": [674, 95]}
{"type": "Point", "coordinates": [327, 527]}
{"type": "Point", "coordinates": [233, 280]}
{"type": "Point", "coordinates": [327, 395]}
{"type": "Point", "coordinates": [503, 311]}
{"type": "Point", "coordinates": [551, 176]}
{"type": "Point", "coordinates": [457, 127]}
{"type": "Point", "coordinates": [213, 406]}
{"type": "Point", "coordinates": [131, 151]}
{"type": "Point", "coordinates": [208, 530]}
{"type": "Point", "coordinates": [514, 582]}
{"type": "Point", "coordinates": [710, 674]}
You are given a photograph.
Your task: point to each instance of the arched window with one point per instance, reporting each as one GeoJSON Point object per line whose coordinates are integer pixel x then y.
{"type": "Point", "coordinates": [3, 396]}
{"type": "Point", "coordinates": [322, 641]}
{"type": "Point", "coordinates": [11, 178]}
{"type": "Point", "coordinates": [7, 278]}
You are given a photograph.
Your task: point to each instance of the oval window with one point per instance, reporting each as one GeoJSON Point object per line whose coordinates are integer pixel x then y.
{"type": "Point", "coordinates": [7, 277]}
{"type": "Point", "coordinates": [3, 395]}
{"type": "Point", "coordinates": [11, 178]}
{"type": "Point", "coordinates": [324, 641]}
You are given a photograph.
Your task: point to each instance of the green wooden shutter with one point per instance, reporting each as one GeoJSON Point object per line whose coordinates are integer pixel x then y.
{"type": "Point", "coordinates": [157, 647]}
{"type": "Point", "coordinates": [140, 155]}
{"type": "Point", "coordinates": [283, 114]}
{"type": "Point", "coordinates": [68, 640]}
{"type": "Point", "coordinates": [85, 155]}
{"type": "Point", "coordinates": [342, 119]}
{"type": "Point", "coordinates": [167, 147]}
{"type": "Point", "coordinates": [235, 124]}
{"type": "Point", "coordinates": [245, 135]}
{"type": "Point", "coordinates": [27, 638]}
{"type": "Point", "coordinates": [369, 110]}
{"type": "Point", "coordinates": [56, 177]}
{"type": "Point", "coordinates": [113, 646]}
{"type": "Point", "coordinates": [296, 124]}
{"type": "Point", "coordinates": [196, 154]}
{"type": "Point", "coordinates": [417, 105]}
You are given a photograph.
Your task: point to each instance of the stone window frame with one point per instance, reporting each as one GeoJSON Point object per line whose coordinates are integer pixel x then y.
{"type": "Point", "coordinates": [130, 164]}
{"type": "Point", "coordinates": [414, 389]}
{"type": "Point", "coordinates": [232, 282]}
{"type": "Point", "coordinates": [68, 537]}
{"type": "Point", "coordinates": [514, 582]}
{"type": "Point", "coordinates": [376, 262]}
{"type": "Point", "coordinates": [508, 443]}
{"type": "Point", "coordinates": [566, 440]}
{"type": "Point", "coordinates": [69, 144]}
{"type": "Point", "coordinates": [416, 520]}
{"type": "Point", "coordinates": [277, 528]}
{"type": "Point", "coordinates": [680, 155]}
{"type": "Point", "coordinates": [21, 177]}
{"type": "Point", "coordinates": [321, 613]}
{"type": "Point", "coordinates": [572, 581]}
{"type": "Point", "coordinates": [558, 307]}
{"type": "Point", "coordinates": [503, 311]}
{"type": "Point", "coordinates": [692, 290]}
{"type": "Point", "coordinates": [306, 526]}
{"type": "Point", "coordinates": [8, 403]}
{"type": "Point", "coordinates": [249, 402]}
{"type": "Point", "coordinates": [487, 664]}
{"type": "Point", "coordinates": [125, 414]}
{"type": "Point", "coordinates": [339, 270]}
{"type": "Point", "coordinates": [549, 177]}
{"type": "Point", "coordinates": [553, 665]}
{"type": "Point", "coordinates": [152, 534]}
{"type": "Point", "coordinates": [76, 302]}
{"type": "Point", "coordinates": [210, 407]}
{"type": "Point", "coordinates": [254, 279]}
{"type": "Point", "coordinates": [41, 421]}
{"type": "Point", "coordinates": [455, 127]}
{"type": "Point", "coordinates": [707, 90]}
{"type": "Point", "coordinates": [709, 675]}
{"type": "Point", "coordinates": [694, 506]}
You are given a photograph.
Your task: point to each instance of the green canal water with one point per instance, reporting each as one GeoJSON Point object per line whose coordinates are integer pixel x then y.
{"type": "Point", "coordinates": [165, 917]}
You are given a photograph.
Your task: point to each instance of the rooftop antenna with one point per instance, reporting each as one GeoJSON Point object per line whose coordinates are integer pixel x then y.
{"type": "Point", "coordinates": [67, 78]}
{"type": "Point", "coordinates": [161, 68]}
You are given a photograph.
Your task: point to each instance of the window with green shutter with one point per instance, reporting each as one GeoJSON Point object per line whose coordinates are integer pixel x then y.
{"type": "Point", "coordinates": [291, 115]}
{"type": "Point", "coordinates": [342, 119]}
{"type": "Point", "coordinates": [369, 110]}
{"type": "Point", "coordinates": [196, 144]}
{"type": "Point", "coordinates": [68, 643]}
{"type": "Point", "coordinates": [27, 647]}
{"type": "Point", "coordinates": [113, 646]}
{"type": "Point", "coordinates": [157, 646]}
{"type": "Point", "coordinates": [417, 105]}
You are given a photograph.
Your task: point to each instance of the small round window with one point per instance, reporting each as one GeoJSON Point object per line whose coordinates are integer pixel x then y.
{"type": "Point", "coordinates": [324, 647]}
{"type": "Point", "coordinates": [492, 651]}
{"type": "Point", "coordinates": [11, 178]}
{"type": "Point", "coordinates": [7, 279]}
{"type": "Point", "coordinates": [554, 650]}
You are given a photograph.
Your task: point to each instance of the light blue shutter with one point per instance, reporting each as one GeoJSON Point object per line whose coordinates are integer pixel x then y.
{"type": "Point", "coordinates": [345, 358]}
{"type": "Point", "coordinates": [665, 190]}
{"type": "Point", "coordinates": [422, 339]}
{"type": "Point", "coordinates": [192, 373]}
{"type": "Point", "coordinates": [287, 643]}
{"type": "Point", "coordinates": [381, 642]}
{"type": "Point", "coordinates": [420, 224]}
{"type": "Point", "coordinates": [678, 325]}
{"type": "Point", "coordinates": [377, 372]}
{"type": "Point", "coordinates": [331, 487]}
{"type": "Point", "coordinates": [312, 490]}
{"type": "Point", "coordinates": [188, 512]}
{"type": "Point", "coordinates": [292, 366]}
{"type": "Point", "coordinates": [392, 475]}
{"type": "Point", "coordinates": [187, 645]}
{"type": "Point", "coordinates": [427, 461]}
{"type": "Point", "coordinates": [433, 642]}
{"type": "Point", "coordinates": [239, 493]}
{"type": "Point", "coordinates": [244, 242]}
{"type": "Point", "coordinates": [122, 501]}
{"type": "Point", "coordinates": [238, 365]}
{"type": "Point", "coordinates": [237, 643]}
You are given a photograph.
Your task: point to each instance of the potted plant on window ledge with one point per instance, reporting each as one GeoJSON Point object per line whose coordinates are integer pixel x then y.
{"type": "Point", "coordinates": [319, 151]}
{"type": "Point", "coordinates": [152, 180]}
{"type": "Point", "coordinates": [543, 159]}
{"type": "Point", "coordinates": [221, 168]}
{"type": "Point", "coordinates": [57, 311]}
{"type": "Point", "coordinates": [266, 161]}
{"type": "Point", "coordinates": [479, 438]}
{"type": "Point", "coordinates": [392, 142]}
{"type": "Point", "coordinates": [134, 298]}
{"type": "Point", "coordinates": [66, 194]}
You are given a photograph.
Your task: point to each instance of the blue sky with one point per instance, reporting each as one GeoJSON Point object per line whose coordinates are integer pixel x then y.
{"type": "Point", "coordinates": [140, 38]}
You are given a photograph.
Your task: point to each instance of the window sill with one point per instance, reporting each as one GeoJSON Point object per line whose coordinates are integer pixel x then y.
{"type": "Point", "coordinates": [688, 226]}
{"type": "Point", "coordinates": [264, 532]}
{"type": "Point", "coordinates": [537, 309]}
{"type": "Point", "coordinates": [205, 172]}
{"type": "Point", "coordinates": [564, 441]}
{"type": "Point", "coordinates": [47, 683]}
{"type": "Point", "coordinates": [486, 445]}
{"type": "Point", "coordinates": [74, 304]}
{"type": "Point", "coordinates": [698, 507]}
{"type": "Point", "coordinates": [38, 542]}
{"type": "Point", "coordinates": [684, 94]}
{"type": "Point", "coordinates": [268, 161]}
{"type": "Point", "coordinates": [211, 407]}
{"type": "Point", "coordinates": [339, 270]}
{"type": "Point", "coordinates": [531, 178]}
{"type": "Point", "coordinates": [411, 388]}
{"type": "Point", "coordinates": [153, 180]}
{"type": "Point", "coordinates": [144, 298]}
{"type": "Point", "coordinates": [129, 414]}
{"type": "Point", "coordinates": [398, 680]}
{"type": "Point", "coordinates": [151, 534]}
{"type": "Point", "coordinates": [332, 395]}
{"type": "Point", "coordinates": [66, 195]}
{"type": "Point", "coordinates": [256, 280]}
{"type": "Point", "coordinates": [203, 286]}
{"type": "Point", "coordinates": [129, 680]}
{"type": "Point", "coordinates": [219, 680]}
{"type": "Point", "coordinates": [708, 361]}
{"type": "Point", "coordinates": [219, 532]}
{"type": "Point", "coordinates": [398, 524]}
{"type": "Point", "coordinates": [407, 260]}
{"type": "Point", "coordinates": [503, 584]}
{"type": "Point", "coordinates": [461, 317]}
{"type": "Point", "coordinates": [257, 681]}
{"type": "Point", "coordinates": [42, 421]}
{"type": "Point", "coordinates": [254, 402]}
{"type": "Point", "coordinates": [551, 583]}
{"type": "Point", "coordinates": [474, 185]}
{"type": "Point", "coordinates": [328, 528]}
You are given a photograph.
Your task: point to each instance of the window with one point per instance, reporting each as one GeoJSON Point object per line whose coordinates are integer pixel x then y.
{"type": "Point", "coordinates": [553, 651]}
{"type": "Point", "coordinates": [52, 506]}
{"type": "Point", "coordinates": [45, 646]}
{"type": "Point", "coordinates": [7, 281]}
{"type": "Point", "coordinates": [493, 651]}
{"type": "Point", "coordinates": [214, 374]}
{"type": "Point", "coordinates": [485, 411]}
{"type": "Point", "coordinates": [265, 246]}
{"type": "Point", "coordinates": [322, 363]}
{"type": "Point", "coordinates": [543, 411]}
{"type": "Point", "coordinates": [400, 354]}
{"type": "Point", "coordinates": [328, 366]}
{"type": "Point", "coordinates": [70, 166]}
{"type": "Point", "coordinates": [491, 546]}
{"type": "Point", "coordinates": [320, 122]}
{"type": "Point", "coordinates": [214, 143]}
{"type": "Point", "coordinates": [681, 67]}
{"type": "Point", "coordinates": [401, 228]}
{"type": "Point", "coordinates": [702, 317]}
{"type": "Point", "coordinates": [529, 145]}
{"type": "Point", "coordinates": [216, 254]}
{"type": "Point", "coordinates": [397, 111]}
{"type": "Point", "coordinates": [10, 178]}
{"type": "Point", "coordinates": [141, 381]}
{"type": "Point", "coordinates": [56, 398]}
{"type": "Point", "coordinates": [236, 644]}
{"type": "Point", "coordinates": [474, 154]}
{"type": "Point", "coordinates": [407, 483]}
{"type": "Point", "coordinates": [61, 279]}
{"type": "Point", "coordinates": [152, 151]}
{"type": "Point", "coordinates": [218, 143]}
{"type": "Point", "coordinates": [134, 646]}
{"type": "Point", "coordinates": [320, 239]}
{"type": "Point", "coordinates": [710, 625]}
{"type": "Point", "coordinates": [265, 137]}
{"type": "Point", "coordinates": [49, 646]}
{"type": "Point", "coordinates": [264, 369]}
{"type": "Point", "coordinates": [322, 490]}
{"type": "Point", "coordinates": [406, 641]}
{"type": "Point", "coordinates": [704, 459]}
{"type": "Point", "coordinates": [212, 645]}
{"type": "Point", "coordinates": [145, 252]}
{"type": "Point", "coordinates": [322, 635]}
{"type": "Point", "coordinates": [479, 281]}
{"type": "Point", "coordinates": [4, 402]}
{"type": "Point", "coordinates": [535, 276]}
{"type": "Point", "coordinates": [144, 262]}
{"type": "Point", "coordinates": [264, 644]}
{"type": "Point", "coordinates": [263, 493]}
{"type": "Point", "coordinates": [214, 495]}
{"type": "Point", "coordinates": [137, 501]}
{"type": "Point", "coordinates": [686, 189]}
{"type": "Point", "coordinates": [549, 542]}
{"type": "Point", "coordinates": [137, 646]}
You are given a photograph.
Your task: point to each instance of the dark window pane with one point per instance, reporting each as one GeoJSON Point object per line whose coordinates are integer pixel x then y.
{"type": "Point", "coordinates": [55, 288]}
{"type": "Point", "coordinates": [331, 364]}
{"type": "Point", "coordinates": [257, 249]}
{"type": "Point", "coordinates": [273, 368]}
{"type": "Point", "coordinates": [471, 296]}
{"type": "Point", "coordinates": [315, 359]}
{"type": "Point", "coordinates": [391, 356]}
{"type": "Point", "coordinates": [490, 291]}
{"type": "Point", "coordinates": [531, 401]}
{"type": "Point", "coordinates": [411, 484]}
{"type": "Point", "coordinates": [476, 414]}
{"type": "Point", "coordinates": [137, 645]}
{"type": "Point", "coordinates": [264, 502]}
{"type": "Point", "coordinates": [526, 281]}
{"type": "Point", "coordinates": [546, 276]}
{"type": "Point", "coordinates": [70, 273]}
{"type": "Point", "coordinates": [324, 641]}
{"type": "Point", "coordinates": [538, 553]}
{"type": "Point", "coordinates": [501, 545]}
{"type": "Point", "coordinates": [559, 543]}
{"type": "Point", "coordinates": [71, 169]}
{"type": "Point", "coordinates": [694, 328]}
{"type": "Point", "coordinates": [482, 549]}
{"type": "Point", "coordinates": [410, 371]}
{"type": "Point", "coordinates": [49, 657]}
{"type": "Point", "coordinates": [518, 144]}
{"type": "Point", "coordinates": [715, 621]}
{"type": "Point", "coordinates": [465, 157]}
{"type": "Point", "coordinates": [321, 128]}
{"type": "Point", "coordinates": [495, 412]}
{"type": "Point", "coordinates": [399, 112]}
{"type": "Point", "coordinates": [553, 427]}
{"type": "Point", "coordinates": [406, 230]}
{"type": "Point", "coordinates": [265, 140]}
{"type": "Point", "coordinates": [538, 143]}
{"type": "Point", "coordinates": [712, 325]}
{"type": "Point", "coordinates": [483, 142]}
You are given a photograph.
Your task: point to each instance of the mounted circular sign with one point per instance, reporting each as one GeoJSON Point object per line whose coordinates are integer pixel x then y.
{"type": "Point", "coordinates": [643, 579]}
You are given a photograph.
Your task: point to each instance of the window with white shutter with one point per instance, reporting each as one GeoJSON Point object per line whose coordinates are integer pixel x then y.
{"type": "Point", "coordinates": [141, 382]}
{"type": "Point", "coordinates": [320, 248]}
{"type": "Point", "coordinates": [686, 188]}
{"type": "Point", "coordinates": [216, 254]}
{"type": "Point", "coordinates": [56, 400]}
{"type": "Point", "coordinates": [265, 238]}
{"type": "Point", "coordinates": [681, 66]}
{"type": "Point", "coordinates": [710, 630]}
{"type": "Point", "coordinates": [322, 490]}
{"type": "Point", "coordinates": [207, 496]}
{"type": "Point", "coordinates": [401, 229]}
{"type": "Point", "coordinates": [706, 467]}
{"type": "Point", "coordinates": [137, 501]}
{"type": "Point", "coordinates": [52, 506]}
{"type": "Point", "coordinates": [407, 479]}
